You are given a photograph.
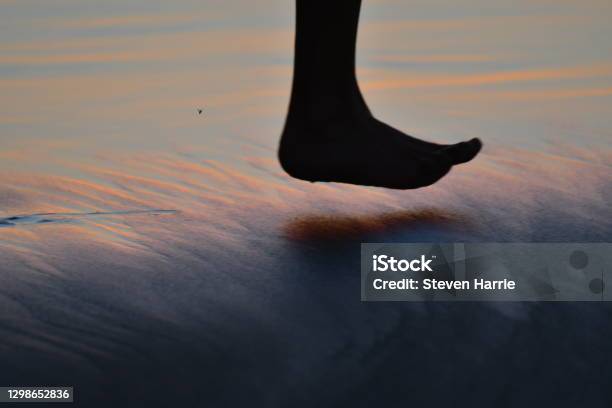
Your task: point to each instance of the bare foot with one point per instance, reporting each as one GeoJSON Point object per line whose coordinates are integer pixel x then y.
{"type": "Point", "coordinates": [364, 151]}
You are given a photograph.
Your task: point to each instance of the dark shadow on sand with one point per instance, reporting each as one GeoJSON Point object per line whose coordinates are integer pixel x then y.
{"type": "Point", "coordinates": [333, 228]}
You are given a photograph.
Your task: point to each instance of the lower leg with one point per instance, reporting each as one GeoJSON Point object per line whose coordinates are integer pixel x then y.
{"type": "Point", "coordinates": [324, 81]}
{"type": "Point", "coordinates": [330, 134]}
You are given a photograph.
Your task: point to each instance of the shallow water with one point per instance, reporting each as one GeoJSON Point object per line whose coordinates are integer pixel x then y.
{"type": "Point", "coordinates": [146, 247]}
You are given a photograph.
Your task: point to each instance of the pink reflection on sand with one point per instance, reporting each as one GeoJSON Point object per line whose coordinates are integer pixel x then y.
{"type": "Point", "coordinates": [509, 185]}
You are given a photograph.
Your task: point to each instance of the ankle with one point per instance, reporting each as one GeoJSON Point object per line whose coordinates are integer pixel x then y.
{"type": "Point", "coordinates": [315, 107]}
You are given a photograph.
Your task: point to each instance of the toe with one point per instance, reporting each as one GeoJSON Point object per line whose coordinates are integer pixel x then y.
{"type": "Point", "coordinates": [463, 152]}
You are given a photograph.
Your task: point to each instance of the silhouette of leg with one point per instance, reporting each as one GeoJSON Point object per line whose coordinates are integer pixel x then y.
{"type": "Point", "coordinates": [330, 134]}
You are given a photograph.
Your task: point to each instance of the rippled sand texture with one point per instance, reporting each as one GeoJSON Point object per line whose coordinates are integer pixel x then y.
{"type": "Point", "coordinates": [144, 247]}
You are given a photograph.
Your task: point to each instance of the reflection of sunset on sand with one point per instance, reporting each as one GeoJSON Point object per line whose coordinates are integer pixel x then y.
{"type": "Point", "coordinates": [153, 243]}
{"type": "Point", "coordinates": [501, 188]}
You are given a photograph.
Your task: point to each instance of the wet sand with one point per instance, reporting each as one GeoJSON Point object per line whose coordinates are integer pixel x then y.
{"type": "Point", "coordinates": [231, 287]}
{"type": "Point", "coordinates": [153, 257]}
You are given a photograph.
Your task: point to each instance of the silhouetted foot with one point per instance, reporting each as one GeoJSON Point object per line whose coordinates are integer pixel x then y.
{"type": "Point", "coordinates": [461, 152]}
{"type": "Point", "coordinates": [363, 151]}
{"type": "Point", "coordinates": [330, 133]}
